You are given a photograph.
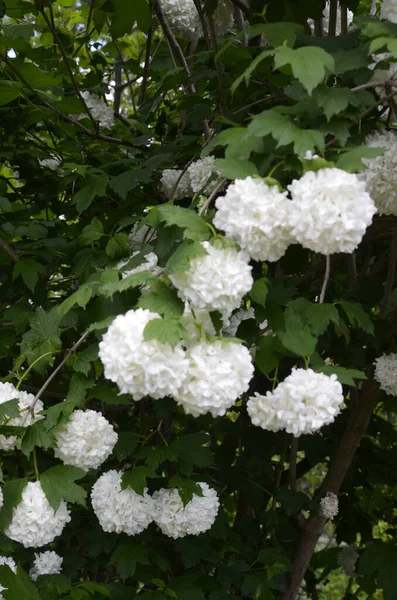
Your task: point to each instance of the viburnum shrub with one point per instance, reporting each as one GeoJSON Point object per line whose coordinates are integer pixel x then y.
{"type": "Point", "coordinates": [198, 301]}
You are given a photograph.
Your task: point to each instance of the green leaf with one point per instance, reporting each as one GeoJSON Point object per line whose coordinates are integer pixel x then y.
{"type": "Point", "coordinates": [357, 316]}
{"type": "Point", "coordinates": [345, 376]}
{"type": "Point", "coordinates": [92, 232]}
{"type": "Point", "coordinates": [186, 488]}
{"type": "Point", "coordinates": [29, 270]}
{"type": "Point", "coordinates": [126, 557]}
{"type": "Point", "coordinates": [180, 259]}
{"type": "Point", "coordinates": [9, 90]}
{"type": "Point", "coordinates": [195, 228]}
{"type": "Point", "coordinates": [162, 299]}
{"type": "Point", "coordinates": [192, 452]}
{"type": "Point", "coordinates": [12, 492]}
{"type": "Point", "coordinates": [132, 281]}
{"type": "Point", "coordinates": [297, 340]}
{"type": "Point", "coordinates": [117, 245]}
{"type": "Point", "coordinates": [320, 315]}
{"type": "Point", "coordinates": [285, 132]}
{"type": "Point", "coordinates": [94, 588]}
{"type": "Point", "coordinates": [136, 479]}
{"type": "Point", "coordinates": [59, 413]}
{"type": "Point", "coordinates": [77, 388]}
{"type": "Point", "coordinates": [18, 586]}
{"type": "Point", "coordinates": [351, 160]}
{"type": "Point", "coordinates": [58, 484]}
{"type": "Point", "coordinates": [125, 14]}
{"type": "Point", "coordinates": [269, 353]}
{"type": "Point", "coordinates": [81, 297]}
{"type": "Point", "coordinates": [9, 409]}
{"type": "Point", "coordinates": [83, 360]}
{"type": "Point", "coordinates": [84, 197]}
{"type": "Point", "coordinates": [42, 339]}
{"type": "Point", "coordinates": [166, 330]}
{"type": "Point", "coordinates": [309, 65]}
{"type": "Point", "coordinates": [233, 168]}
{"type": "Point", "coordinates": [249, 70]}
{"type": "Point", "coordinates": [239, 144]}
{"type": "Point", "coordinates": [259, 291]}
{"type": "Point", "coordinates": [381, 558]}
{"type": "Point", "coordinates": [37, 435]}
{"type": "Point", "coordinates": [334, 100]}
{"type": "Point", "coordinates": [125, 445]}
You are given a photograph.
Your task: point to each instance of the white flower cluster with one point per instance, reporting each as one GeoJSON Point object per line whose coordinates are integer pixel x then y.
{"type": "Point", "coordinates": [217, 280]}
{"type": "Point", "coordinates": [174, 185]}
{"type": "Point", "coordinates": [184, 19]}
{"type": "Point", "coordinates": [120, 510]}
{"type": "Point", "coordinates": [388, 10]}
{"type": "Point", "coordinates": [388, 71]}
{"type": "Point", "coordinates": [379, 176]}
{"type": "Point", "coordinates": [141, 368]}
{"type": "Point", "coordinates": [386, 373]}
{"type": "Point", "coordinates": [219, 372]}
{"type": "Point", "coordinates": [329, 505]}
{"type": "Point", "coordinates": [85, 441]}
{"type": "Point", "coordinates": [176, 520]}
{"type": "Point", "coordinates": [207, 377]}
{"type": "Point", "coordinates": [139, 235]}
{"type": "Point", "coordinates": [303, 403]}
{"type": "Point", "coordinates": [99, 110]}
{"type": "Point", "coordinates": [347, 558]}
{"type": "Point", "coordinates": [10, 562]}
{"type": "Point", "coordinates": [150, 264]}
{"type": "Point", "coordinates": [330, 211]}
{"type": "Point", "coordinates": [46, 563]}
{"type": "Point", "coordinates": [26, 418]}
{"type": "Point", "coordinates": [50, 163]}
{"type": "Point", "coordinates": [204, 177]}
{"type": "Point", "coordinates": [34, 522]}
{"type": "Point", "coordinates": [255, 215]}
{"type": "Point", "coordinates": [237, 318]}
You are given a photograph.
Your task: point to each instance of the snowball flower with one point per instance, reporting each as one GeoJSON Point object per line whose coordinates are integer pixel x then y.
{"type": "Point", "coordinates": [150, 264]}
{"type": "Point", "coordinates": [386, 373]}
{"type": "Point", "coordinates": [26, 418]}
{"type": "Point", "coordinates": [184, 19]}
{"type": "Point", "coordinates": [34, 522]}
{"type": "Point", "coordinates": [120, 510]}
{"type": "Point", "coordinates": [303, 403]}
{"type": "Point", "coordinates": [238, 317]}
{"type": "Point", "coordinates": [388, 10]}
{"type": "Point", "coordinates": [255, 215]}
{"type": "Point", "coordinates": [218, 374]}
{"type": "Point", "coordinates": [140, 368]}
{"type": "Point", "coordinates": [10, 562]}
{"type": "Point", "coordinates": [379, 176]}
{"type": "Point", "coordinates": [330, 211]}
{"type": "Point", "coordinates": [347, 558]}
{"type": "Point", "coordinates": [85, 441]}
{"type": "Point", "coordinates": [46, 563]}
{"type": "Point", "coordinates": [50, 163]}
{"type": "Point", "coordinates": [329, 505]}
{"type": "Point", "coordinates": [98, 109]}
{"type": "Point", "coordinates": [176, 520]}
{"type": "Point", "coordinates": [217, 280]}
{"type": "Point", "coordinates": [204, 177]}
{"type": "Point", "coordinates": [169, 179]}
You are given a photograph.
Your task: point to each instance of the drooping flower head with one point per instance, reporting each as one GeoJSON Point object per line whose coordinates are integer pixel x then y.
{"type": "Point", "coordinates": [120, 510]}
{"type": "Point", "coordinates": [176, 185]}
{"type": "Point", "coordinates": [303, 403]}
{"type": "Point", "coordinates": [329, 505]}
{"type": "Point", "coordinates": [26, 417]}
{"type": "Point", "coordinates": [204, 177]}
{"type": "Point", "coordinates": [330, 211]}
{"type": "Point", "coordinates": [380, 176]}
{"type": "Point", "coordinates": [46, 563]}
{"type": "Point", "coordinates": [386, 373]}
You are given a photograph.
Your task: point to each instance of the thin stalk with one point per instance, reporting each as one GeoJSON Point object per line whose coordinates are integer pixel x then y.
{"type": "Point", "coordinates": [35, 467]}
{"type": "Point", "coordinates": [34, 363]}
{"type": "Point", "coordinates": [326, 279]}
{"type": "Point", "coordinates": [333, 16]}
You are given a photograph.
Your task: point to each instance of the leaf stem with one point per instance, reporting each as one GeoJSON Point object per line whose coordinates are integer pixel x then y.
{"type": "Point", "coordinates": [34, 363]}
{"type": "Point", "coordinates": [36, 469]}
{"type": "Point", "coordinates": [326, 279]}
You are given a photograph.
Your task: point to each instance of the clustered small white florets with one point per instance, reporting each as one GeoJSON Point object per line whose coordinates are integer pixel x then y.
{"type": "Point", "coordinates": [255, 215]}
{"type": "Point", "coordinates": [217, 280]}
{"type": "Point", "coordinates": [329, 505]}
{"type": "Point", "coordinates": [120, 510]}
{"type": "Point", "coordinates": [218, 374]}
{"type": "Point", "coordinates": [388, 10]}
{"type": "Point", "coordinates": [386, 373]}
{"type": "Point", "coordinates": [303, 403]}
{"type": "Point", "coordinates": [138, 367]}
{"type": "Point", "coordinates": [176, 520]}
{"type": "Point", "coordinates": [236, 319]}
{"type": "Point", "coordinates": [10, 562]}
{"type": "Point", "coordinates": [85, 441]}
{"type": "Point", "coordinates": [330, 211]}
{"type": "Point", "coordinates": [184, 19]}
{"type": "Point", "coordinates": [380, 177]}
{"type": "Point", "coordinates": [99, 110]}
{"type": "Point", "coordinates": [46, 563]}
{"type": "Point", "coordinates": [150, 264]}
{"type": "Point", "coordinates": [169, 180]}
{"type": "Point", "coordinates": [347, 558]}
{"type": "Point", "coordinates": [34, 522]}
{"type": "Point", "coordinates": [204, 176]}
{"type": "Point", "coordinates": [26, 418]}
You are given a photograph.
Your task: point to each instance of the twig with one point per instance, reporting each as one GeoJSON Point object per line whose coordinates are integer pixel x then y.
{"type": "Point", "coordinates": [391, 274]}
{"type": "Point", "coordinates": [326, 279]}
{"type": "Point", "coordinates": [242, 6]}
{"type": "Point", "coordinates": [343, 19]}
{"type": "Point", "coordinates": [56, 371]}
{"type": "Point", "coordinates": [333, 16]}
{"type": "Point", "coordinates": [318, 28]}
{"type": "Point", "coordinates": [209, 200]}
{"type": "Point", "coordinates": [145, 77]}
{"type": "Point", "coordinates": [292, 463]}
{"type": "Point", "coordinates": [8, 250]}
{"type": "Point", "coordinates": [374, 84]}
{"type": "Point", "coordinates": [118, 86]}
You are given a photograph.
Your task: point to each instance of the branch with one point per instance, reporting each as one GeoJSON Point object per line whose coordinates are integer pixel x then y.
{"type": "Point", "coordinates": [333, 16]}
{"type": "Point", "coordinates": [292, 463]}
{"type": "Point", "coordinates": [8, 250]}
{"type": "Point", "coordinates": [343, 19]}
{"type": "Point", "coordinates": [318, 28]}
{"type": "Point", "coordinates": [242, 6]}
{"type": "Point", "coordinates": [326, 279]}
{"type": "Point", "coordinates": [145, 77]}
{"type": "Point", "coordinates": [391, 274]}
{"type": "Point", "coordinates": [209, 200]}
{"type": "Point", "coordinates": [354, 432]}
